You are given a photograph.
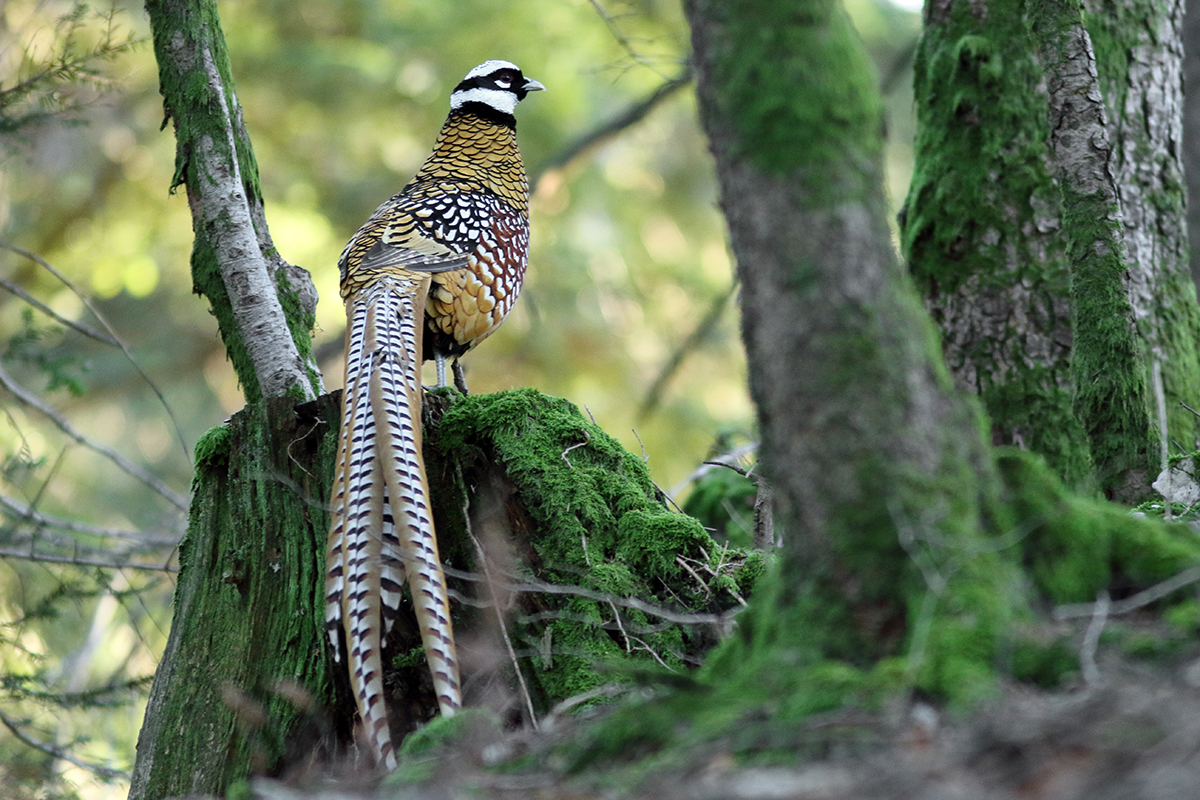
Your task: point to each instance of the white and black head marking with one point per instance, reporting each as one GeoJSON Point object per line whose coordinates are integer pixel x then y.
{"type": "Point", "coordinates": [495, 86]}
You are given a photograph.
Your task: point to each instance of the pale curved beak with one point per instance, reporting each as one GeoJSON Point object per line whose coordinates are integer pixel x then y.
{"type": "Point", "coordinates": [533, 86]}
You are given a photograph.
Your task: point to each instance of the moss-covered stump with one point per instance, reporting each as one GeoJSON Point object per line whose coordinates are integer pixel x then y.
{"type": "Point", "coordinates": [245, 660]}
{"type": "Point", "coordinates": [597, 576]}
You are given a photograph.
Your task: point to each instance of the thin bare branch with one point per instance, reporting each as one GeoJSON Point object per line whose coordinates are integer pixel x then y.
{"type": "Point", "coordinates": [1143, 598]}
{"type": "Point", "coordinates": [115, 339]}
{"type": "Point", "coordinates": [57, 752]}
{"type": "Point", "coordinates": [23, 512]}
{"type": "Point", "coordinates": [78, 327]}
{"type": "Point", "coordinates": [31, 400]}
{"type": "Point", "coordinates": [628, 118]}
{"type": "Point", "coordinates": [75, 561]}
{"type": "Point", "coordinates": [1091, 639]}
{"type": "Point", "coordinates": [531, 586]}
{"type": "Point", "coordinates": [610, 22]}
{"type": "Point", "coordinates": [723, 460]}
{"type": "Point", "coordinates": [710, 320]}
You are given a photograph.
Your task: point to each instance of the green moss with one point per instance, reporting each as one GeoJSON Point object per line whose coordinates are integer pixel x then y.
{"type": "Point", "coordinates": [1117, 31]}
{"type": "Point", "coordinates": [772, 73]}
{"type": "Point", "coordinates": [1111, 399]}
{"type": "Point", "coordinates": [1184, 616]}
{"type": "Point", "coordinates": [1074, 547]}
{"type": "Point", "coordinates": [982, 216]}
{"type": "Point", "coordinates": [213, 447]}
{"type": "Point", "coordinates": [598, 524]}
{"type": "Point", "coordinates": [1046, 664]}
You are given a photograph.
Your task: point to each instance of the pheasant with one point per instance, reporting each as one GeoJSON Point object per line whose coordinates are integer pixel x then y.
{"type": "Point", "coordinates": [431, 274]}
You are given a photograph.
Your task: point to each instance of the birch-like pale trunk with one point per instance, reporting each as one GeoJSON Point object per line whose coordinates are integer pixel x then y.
{"type": "Point", "coordinates": [234, 262]}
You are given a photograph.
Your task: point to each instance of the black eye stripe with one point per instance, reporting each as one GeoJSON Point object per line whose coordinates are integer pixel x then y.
{"type": "Point", "coordinates": [490, 81]}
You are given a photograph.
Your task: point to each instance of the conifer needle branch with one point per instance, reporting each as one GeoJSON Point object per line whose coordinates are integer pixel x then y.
{"type": "Point", "coordinates": [31, 400]}
{"type": "Point", "coordinates": [116, 340]}
{"type": "Point", "coordinates": [59, 753]}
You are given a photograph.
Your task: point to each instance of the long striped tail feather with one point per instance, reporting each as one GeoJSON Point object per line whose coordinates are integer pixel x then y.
{"type": "Point", "coordinates": [396, 397]}
{"type": "Point", "coordinates": [381, 529]}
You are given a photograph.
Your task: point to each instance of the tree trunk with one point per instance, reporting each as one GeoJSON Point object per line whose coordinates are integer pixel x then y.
{"type": "Point", "coordinates": [1191, 130]}
{"type": "Point", "coordinates": [1139, 58]}
{"type": "Point", "coordinates": [1107, 364]}
{"type": "Point", "coordinates": [1014, 228]}
{"type": "Point", "coordinates": [264, 306]}
{"type": "Point", "coordinates": [584, 560]}
{"type": "Point", "coordinates": [877, 464]}
{"type": "Point", "coordinates": [982, 228]}
{"type": "Point", "coordinates": [245, 663]}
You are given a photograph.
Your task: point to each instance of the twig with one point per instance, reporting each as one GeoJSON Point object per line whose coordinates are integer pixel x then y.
{"type": "Point", "coordinates": [83, 562]}
{"type": "Point", "coordinates": [59, 753]}
{"type": "Point", "coordinates": [630, 117]}
{"type": "Point", "coordinates": [187, 453]}
{"type": "Point", "coordinates": [763, 536]}
{"type": "Point", "coordinates": [622, 39]}
{"type": "Point", "coordinates": [508, 645]}
{"type": "Point", "coordinates": [607, 690]}
{"type": "Point", "coordinates": [723, 460]}
{"type": "Point", "coordinates": [681, 561]}
{"type": "Point", "coordinates": [1091, 639]}
{"type": "Point", "coordinates": [31, 400]}
{"type": "Point", "coordinates": [25, 513]}
{"type": "Point", "coordinates": [575, 447]}
{"type": "Point", "coordinates": [645, 457]}
{"type": "Point", "coordinates": [1143, 598]}
{"type": "Point", "coordinates": [530, 586]}
{"type": "Point", "coordinates": [78, 327]}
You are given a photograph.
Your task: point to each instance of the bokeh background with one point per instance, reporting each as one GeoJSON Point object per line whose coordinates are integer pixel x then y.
{"type": "Point", "coordinates": [629, 307]}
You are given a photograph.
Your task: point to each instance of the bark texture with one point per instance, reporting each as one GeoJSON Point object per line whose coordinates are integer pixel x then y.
{"type": "Point", "coordinates": [1191, 128]}
{"type": "Point", "coordinates": [982, 228]}
{"type": "Point", "coordinates": [1111, 397]}
{"type": "Point", "coordinates": [234, 262]}
{"type": "Point", "coordinates": [1139, 52]}
{"type": "Point", "coordinates": [870, 450]}
{"type": "Point", "coordinates": [245, 665]}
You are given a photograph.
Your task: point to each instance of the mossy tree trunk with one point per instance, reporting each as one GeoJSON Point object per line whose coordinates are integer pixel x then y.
{"type": "Point", "coordinates": [245, 683]}
{"type": "Point", "coordinates": [242, 665]}
{"type": "Point", "coordinates": [1049, 246]}
{"type": "Point", "coordinates": [1139, 60]}
{"type": "Point", "coordinates": [263, 305]}
{"type": "Point", "coordinates": [982, 228]}
{"type": "Point", "coordinates": [880, 469]}
{"type": "Point", "coordinates": [905, 534]}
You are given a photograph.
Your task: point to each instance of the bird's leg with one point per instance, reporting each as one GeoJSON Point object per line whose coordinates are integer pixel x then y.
{"type": "Point", "coordinates": [460, 379]}
{"type": "Point", "coordinates": [440, 361]}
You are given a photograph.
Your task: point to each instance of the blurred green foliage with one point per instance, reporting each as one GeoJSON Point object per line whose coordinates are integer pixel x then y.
{"type": "Point", "coordinates": [342, 102]}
